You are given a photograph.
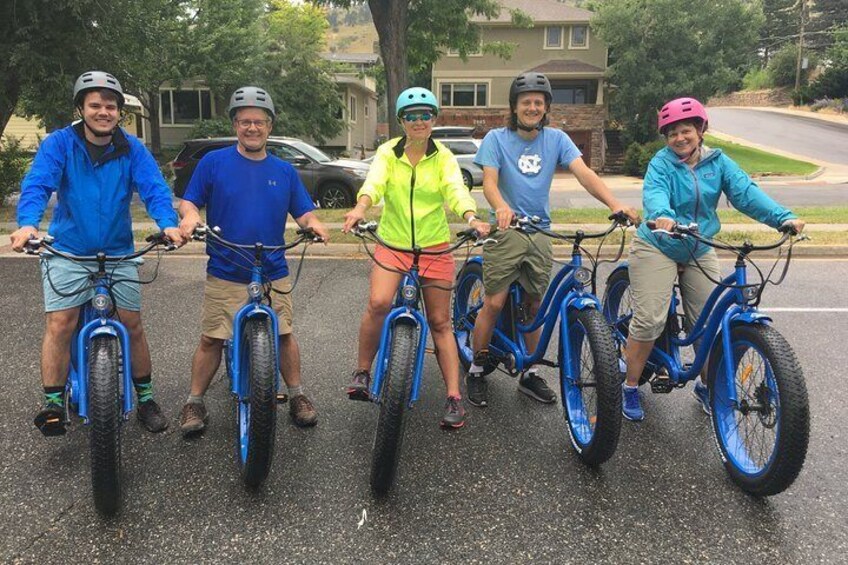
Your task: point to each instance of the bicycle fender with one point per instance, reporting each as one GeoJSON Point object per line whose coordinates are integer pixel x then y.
{"type": "Point", "coordinates": [585, 303]}
{"type": "Point", "coordinates": [476, 259]}
{"type": "Point", "coordinates": [622, 266]}
{"type": "Point", "coordinates": [104, 330]}
{"type": "Point", "coordinates": [750, 318]}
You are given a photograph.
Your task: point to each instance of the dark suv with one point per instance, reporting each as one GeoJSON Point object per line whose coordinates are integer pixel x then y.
{"type": "Point", "coordinates": [332, 183]}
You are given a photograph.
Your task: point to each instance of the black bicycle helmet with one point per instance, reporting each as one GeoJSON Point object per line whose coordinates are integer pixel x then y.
{"type": "Point", "coordinates": [530, 82]}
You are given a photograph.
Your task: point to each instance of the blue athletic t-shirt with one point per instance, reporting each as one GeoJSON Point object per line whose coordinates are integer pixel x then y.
{"type": "Point", "coordinates": [526, 168]}
{"type": "Point", "coordinates": [250, 201]}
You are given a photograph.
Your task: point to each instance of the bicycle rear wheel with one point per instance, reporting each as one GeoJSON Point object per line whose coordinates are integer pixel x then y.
{"type": "Point", "coordinates": [397, 384]}
{"type": "Point", "coordinates": [257, 413]}
{"type": "Point", "coordinates": [590, 386]}
{"type": "Point", "coordinates": [467, 301]}
{"type": "Point", "coordinates": [104, 412]}
{"type": "Point", "coordinates": [763, 438]}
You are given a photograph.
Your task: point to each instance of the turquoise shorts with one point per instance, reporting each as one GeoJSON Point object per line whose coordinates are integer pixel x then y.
{"type": "Point", "coordinates": [68, 277]}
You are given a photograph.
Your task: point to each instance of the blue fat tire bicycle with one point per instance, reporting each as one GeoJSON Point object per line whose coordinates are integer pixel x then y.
{"type": "Point", "coordinates": [756, 384]}
{"type": "Point", "coordinates": [399, 362]}
{"type": "Point", "coordinates": [586, 354]}
{"type": "Point", "coordinates": [251, 359]}
{"type": "Point", "coordinates": [99, 386]}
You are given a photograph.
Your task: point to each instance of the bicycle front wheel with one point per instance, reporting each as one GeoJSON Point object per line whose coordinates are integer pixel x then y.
{"type": "Point", "coordinates": [257, 413]}
{"type": "Point", "coordinates": [104, 413]}
{"type": "Point", "coordinates": [762, 438]}
{"type": "Point", "coordinates": [618, 310]}
{"type": "Point", "coordinates": [397, 384]}
{"type": "Point", "coordinates": [590, 386]}
{"type": "Point", "coordinates": [467, 301]}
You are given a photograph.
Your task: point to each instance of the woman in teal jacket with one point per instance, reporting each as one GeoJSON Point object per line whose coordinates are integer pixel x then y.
{"type": "Point", "coordinates": [683, 184]}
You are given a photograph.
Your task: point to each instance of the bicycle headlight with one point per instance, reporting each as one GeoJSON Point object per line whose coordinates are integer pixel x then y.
{"type": "Point", "coordinates": [582, 275]}
{"type": "Point", "coordinates": [750, 292]}
{"type": "Point", "coordinates": [102, 303]}
{"type": "Point", "coordinates": [254, 290]}
{"type": "Point", "coordinates": [409, 292]}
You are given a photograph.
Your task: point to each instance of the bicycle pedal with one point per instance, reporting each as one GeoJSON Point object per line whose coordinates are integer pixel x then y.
{"type": "Point", "coordinates": [282, 398]}
{"type": "Point", "coordinates": [662, 384]}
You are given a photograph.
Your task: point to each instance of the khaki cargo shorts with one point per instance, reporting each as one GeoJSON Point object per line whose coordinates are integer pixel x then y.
{"type": "Point", "coordinates": [222, 299]}
{"type": "Point", "coordinates": [652, 275]}
{"type": "Point", "coordinates": [517, 256]}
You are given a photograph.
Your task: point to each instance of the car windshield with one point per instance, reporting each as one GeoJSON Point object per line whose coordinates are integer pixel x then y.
{"type": "Point", "coordinates": [313, 152]}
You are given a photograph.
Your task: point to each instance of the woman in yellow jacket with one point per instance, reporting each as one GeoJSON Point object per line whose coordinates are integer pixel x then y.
{"type": "Point", "coordinates": [414, 177]}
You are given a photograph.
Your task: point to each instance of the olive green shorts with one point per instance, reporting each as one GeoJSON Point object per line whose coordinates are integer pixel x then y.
{"type": "Point", "coordinates": [517, 256]}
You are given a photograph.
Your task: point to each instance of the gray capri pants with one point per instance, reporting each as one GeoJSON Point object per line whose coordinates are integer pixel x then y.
{"type": "Point", "coordinates": [652, 275]}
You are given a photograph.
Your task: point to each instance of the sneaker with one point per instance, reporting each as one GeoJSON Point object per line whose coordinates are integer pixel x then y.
{"type": "Point", "coordinates": [151, 417]}
{"type": "Point", "coordinates": [476, 389]}
{"type": "Point", "coordinates": [454, 413]}
{"type": "Point", "coordinates": [302, 412]}
{"type": "Point", "coordinates": [535, 387]}
{"type": "Point", "coordinates": [359, 385]}
{"type": "Point", "coordinates": [193, 418]}
{"type": "Point", "coordinates": [51, 420]}
{"type": "Point", "coordinates": [702, 395]}
{"type": "Point", "coordinates": [631, 406]}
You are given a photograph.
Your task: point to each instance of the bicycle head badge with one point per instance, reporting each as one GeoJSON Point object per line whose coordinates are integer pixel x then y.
{"type": "Point", "coordinates": [409, 293]}
{"type": "Point", "coordinates": [254, 291]}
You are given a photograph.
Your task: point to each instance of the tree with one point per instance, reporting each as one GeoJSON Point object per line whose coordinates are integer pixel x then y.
{"type": "Point", "coordinates": [783, 66]}
{"type": "Point", "coordinates": [305, 95]}
{"type": "Point", "coordinates": [663, 49]}
{"type": "Point", "coordinates": [826, 16]}
{"type": "Point", "coordinates": [833, 83]}
{"type": "Point", "coordinates": [779, 27]}
{"type": "Point", "coordinates": [412, 32]}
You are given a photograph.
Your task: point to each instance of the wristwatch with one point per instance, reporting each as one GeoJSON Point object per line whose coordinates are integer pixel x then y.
{"type": "Point", "coordinates": [472, 218]}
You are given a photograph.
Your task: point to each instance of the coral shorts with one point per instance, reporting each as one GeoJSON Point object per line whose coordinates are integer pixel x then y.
{"type": "Point", "coordinates": [438, 267]}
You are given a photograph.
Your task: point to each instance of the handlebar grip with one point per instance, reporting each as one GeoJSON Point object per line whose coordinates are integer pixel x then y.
{"type": "Point", "coordinates": [652, 225]}
{"type": "Point", "coordinates": [787, 228]}
{"type": "Point", "coordinates": [304, 231]}
{"type": "Point", "coordinates": [469, 233]}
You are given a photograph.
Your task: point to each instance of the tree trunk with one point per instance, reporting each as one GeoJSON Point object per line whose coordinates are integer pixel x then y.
{"type": "Point", "coordinates": [152, 107]}
{"type": "Point", "coordinates": [391, 20]}
{"type": "Point", "coordinates": [11, 92]}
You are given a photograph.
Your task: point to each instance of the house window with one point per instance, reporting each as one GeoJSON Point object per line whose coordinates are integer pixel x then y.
{"type": "Point", "coordinates": [553, 37]}
{"type": "Point", "coordinates": [464, 94]}
{"type": "Point", "coordinates": [579, 37]}
{"type": "Point", "coordinates": [574, 91]}
{"type": "Point", "coordinates": [184, 107]}
{"type": "Point", "coordinates": [453, 52]}
{"type": "Point", "coordinates": [351, 108]}
{"type": "Point", "coordinates": [365, 107]}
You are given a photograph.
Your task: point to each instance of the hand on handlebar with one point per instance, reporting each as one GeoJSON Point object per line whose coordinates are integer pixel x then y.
{"type": "Point", "coordinates": [792, 227]}
{"type": "Point", "coordinates": [504, 217]}
{"type": "Point", "coordinates": [20, 237]}
{"type": "Point", "coordinates": [482, 227]}
{"type": "Point", "coordinates": [626, 213]}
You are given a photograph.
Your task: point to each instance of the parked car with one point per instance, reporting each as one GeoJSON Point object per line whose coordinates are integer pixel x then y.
{"type": "Point", "coordinates": [442, 132]}
{"type": "Point", "coordinates": [465, 149]}
{"type": "Point", "coordinates": [332, 183]}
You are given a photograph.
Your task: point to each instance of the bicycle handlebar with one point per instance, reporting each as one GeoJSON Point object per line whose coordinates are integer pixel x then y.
{"type": "Point", "coordinates": [680, 231]}
{"type": "Point", "coordinates": [155, 240]}
{"type": "Point", "coordinates": [363, 229]}
{"type": "Point", "coordinates": [526, 223]}
{"type": "Point", "coordinates": [202, 232]}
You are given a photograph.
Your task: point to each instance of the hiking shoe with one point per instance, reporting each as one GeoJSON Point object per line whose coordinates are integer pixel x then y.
{"type": "Point", "coordinates": [193, 418]}
{"type": "Point", "coordinates": [476, 389]}
{"type": "Point", "coordinates": [151, 417]}
{"type": "Point", "coordinates": [51, 420]}
{"type": "Point", "coordinates": [454, 416]}
{"type": "Point", "coordinates": [702, 395]}
{"type": "Point", "coordinates": [302, 412]}
{"type": "Point", "coordinates": [631, 406]}
{"type": "Point", "coordinates": [359, 385]}
{"type": "Point", "coordinates": [535, 387]}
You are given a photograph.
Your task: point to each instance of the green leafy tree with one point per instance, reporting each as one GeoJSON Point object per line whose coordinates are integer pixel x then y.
{"type": "Point", "coordinates": [826, 17]}
{"type": "Point", "coordinates": [784, 65]}
{"type": "Point", "coordinates": [662, 49]}
{"type": "Point", "coordinates": [833, 83]}
{"type": "Point", "coordinates": [781, 23]}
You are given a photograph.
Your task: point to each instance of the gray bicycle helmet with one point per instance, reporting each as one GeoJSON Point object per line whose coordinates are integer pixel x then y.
{"type": "Point", "coordinates": [251, 97]}
{"type": "Point", "coordinates": [530, 82]}
{"type": "Point", "coordinates": [95, 80]}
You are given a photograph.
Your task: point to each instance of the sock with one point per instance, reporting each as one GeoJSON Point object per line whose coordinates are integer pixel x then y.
{"type": "Point", "coordinates": [295, 390]}
{"type": "Point", "coordinates": [143, 388]}
{"type": "Point", "coordinates": [628, 387]}
{"type": "Point", "coordinates": [475, 368]}
{"type": "Point", "coordinates": [698, 382]}
{"type": "Point", "coordinates": [195, 399]}
{"type": "Point", "coordinates": [54, 395]}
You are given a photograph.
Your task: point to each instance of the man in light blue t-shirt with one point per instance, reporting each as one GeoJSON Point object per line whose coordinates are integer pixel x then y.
{"type": "Point", "coordinates": [518, 163]}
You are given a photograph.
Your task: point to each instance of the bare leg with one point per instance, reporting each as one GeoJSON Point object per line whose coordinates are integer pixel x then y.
{"type": "Point", "coordinates": [438, 318]}
{"type": "Point", "coordinates": [636, 354]}
{"type": "Point", "coordinates": [205, 363]}
{"type": "Point", "coordinates": [290, 360]}
{"type": "Point", "coordinates": [383, 287]}
{"type": "Point", "coordinates": [56, 346]}
{"type": "Point", "coordinates": [487, 317]}
{"type": "Point", "coordinates": [139, 350]}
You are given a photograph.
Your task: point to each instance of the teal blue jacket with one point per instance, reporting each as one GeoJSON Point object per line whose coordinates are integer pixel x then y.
{"type": "Point", "coordinates": [674, 190]}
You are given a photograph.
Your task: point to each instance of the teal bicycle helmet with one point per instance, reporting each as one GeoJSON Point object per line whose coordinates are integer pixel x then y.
{"type": "Point", "coordinates": [416, 97]}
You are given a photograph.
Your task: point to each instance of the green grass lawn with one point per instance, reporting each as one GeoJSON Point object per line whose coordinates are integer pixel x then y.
{"type": "Point", "coordinates": [757, 162]}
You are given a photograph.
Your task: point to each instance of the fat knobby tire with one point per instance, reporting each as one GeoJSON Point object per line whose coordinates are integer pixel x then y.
{"type": "Point", "coordinates": [104, 412]}
{"type": "Point", "coordinates": [263, 401]}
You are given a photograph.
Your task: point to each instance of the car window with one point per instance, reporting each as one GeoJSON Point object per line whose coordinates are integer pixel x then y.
{"type": "Point", "coordinates": [284, 152]}
{"type": "Point", "coordinates": [311, 151]}
{"type": "Point", "coordinates": [461, 147]}
{"type": "Point", "coordinates": [203, 150]}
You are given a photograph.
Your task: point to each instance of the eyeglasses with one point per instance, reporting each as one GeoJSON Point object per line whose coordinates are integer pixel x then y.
{"type": "Point", "coordinates": [258, 124]}
{"type": "Point", "coordinates": [425, 116]}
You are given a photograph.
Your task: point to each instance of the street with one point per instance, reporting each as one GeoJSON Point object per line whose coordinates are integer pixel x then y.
{"type": "Point", "coordinates": [507, 488]}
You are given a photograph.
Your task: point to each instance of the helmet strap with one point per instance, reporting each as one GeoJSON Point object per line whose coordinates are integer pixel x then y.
{"type": "Point", "coordinates": [522, 127]}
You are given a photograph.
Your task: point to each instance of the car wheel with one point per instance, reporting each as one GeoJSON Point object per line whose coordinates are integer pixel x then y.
{"type": "Point", "coordinates": [335, 195]}
{"type": "Point", "coordinates": [466, 178]}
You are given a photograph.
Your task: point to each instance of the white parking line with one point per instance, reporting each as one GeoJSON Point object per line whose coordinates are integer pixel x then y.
{"type": "Point", "coordinates": [803, 309]}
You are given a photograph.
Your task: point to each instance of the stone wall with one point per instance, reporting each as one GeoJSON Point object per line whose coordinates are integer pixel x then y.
{"type": "Point", "coordinates": [770, 97]}
{"type": "Point", "coordinates": [571, 118]}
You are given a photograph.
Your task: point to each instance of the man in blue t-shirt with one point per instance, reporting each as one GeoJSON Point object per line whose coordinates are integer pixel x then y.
{"type": "Point", "coordinates": [248, 194]}
{"type": "Point", "coordinates": [518, 164]}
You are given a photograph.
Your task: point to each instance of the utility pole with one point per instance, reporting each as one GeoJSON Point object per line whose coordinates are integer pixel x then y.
{"type": "Point", "coordinates": [800, 47]}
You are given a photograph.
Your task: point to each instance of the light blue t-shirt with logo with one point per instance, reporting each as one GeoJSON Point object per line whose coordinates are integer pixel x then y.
{"type": "Point", "coordinates": [526, 168]}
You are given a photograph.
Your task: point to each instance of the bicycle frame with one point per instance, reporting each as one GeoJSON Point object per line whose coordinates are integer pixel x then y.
{"type": "Point", "coordinates": [725, 308]}
{"type": "Point", "coordinates": [406, 310]}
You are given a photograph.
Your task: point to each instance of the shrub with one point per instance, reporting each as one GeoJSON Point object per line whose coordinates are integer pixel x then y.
{"type": "Point", "coordinates": [757, 79]}
{"type": "Point", "coordinates": [638, 155]}
{"type": "Point", "coordinates": [14, 162]}
{"type": "Point", "coordinates": [783, 66]}
{"type": "Point", "coordinates": [216, 127]}
{"type": "Point", "coordinates": [838, 104]}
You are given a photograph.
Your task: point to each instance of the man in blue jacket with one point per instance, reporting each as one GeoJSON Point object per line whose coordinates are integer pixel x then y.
{"type": "Point", "coordinates": [94, 166]}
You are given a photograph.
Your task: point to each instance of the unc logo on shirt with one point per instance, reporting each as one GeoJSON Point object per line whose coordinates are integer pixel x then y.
{"type": "Point", "coordinates": [530, 164]}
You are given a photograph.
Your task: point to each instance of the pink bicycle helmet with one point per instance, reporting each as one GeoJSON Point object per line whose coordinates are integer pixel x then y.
{"type": "Point", "coordinates": [681, 109]}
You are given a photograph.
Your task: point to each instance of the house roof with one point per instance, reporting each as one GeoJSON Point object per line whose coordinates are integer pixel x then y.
{"type": "Point", "coordinates": [539, 11]}
{"type": "Point", "coordinates": [353, 58]}
{"type": "Point", "coordinates": [566, 66]}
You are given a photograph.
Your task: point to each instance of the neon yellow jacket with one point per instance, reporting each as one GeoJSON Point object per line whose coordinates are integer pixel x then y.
{"type": "Point", "coordinates": [414, 197]}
